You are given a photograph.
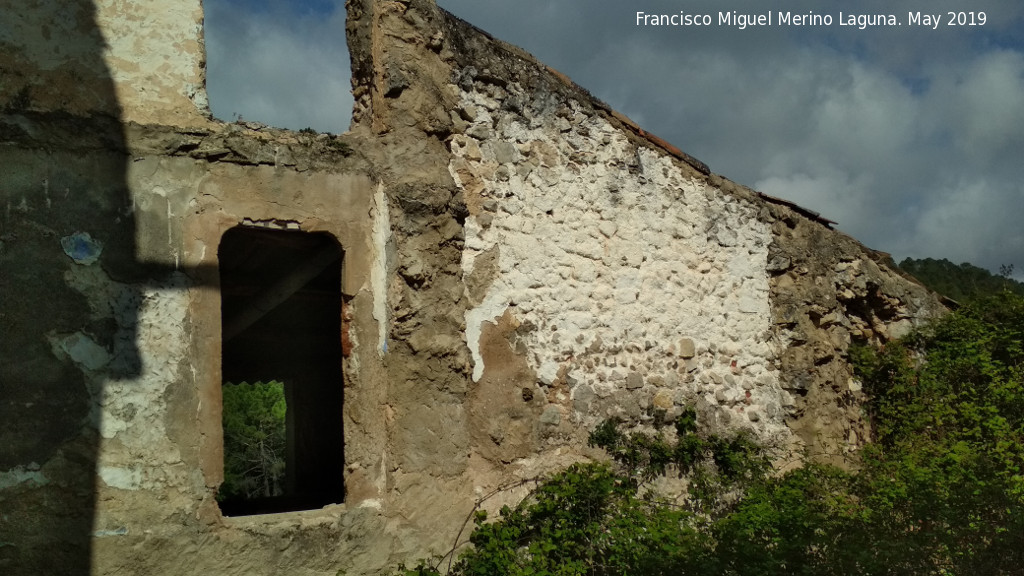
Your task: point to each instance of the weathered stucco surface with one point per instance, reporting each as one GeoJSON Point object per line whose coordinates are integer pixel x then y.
{"type": "Point", "coordinates": [520, 262]}
{"type": "Point", "coordinates": [637, 288]}
{"type": "Point", "coordinates": [633, 282]}
{"type": "Point", "coordinates": [68, 56]}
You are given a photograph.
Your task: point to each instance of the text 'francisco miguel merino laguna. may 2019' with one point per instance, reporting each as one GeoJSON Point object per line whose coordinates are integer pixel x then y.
{"type": "Point", "coordinates": [743, 21]}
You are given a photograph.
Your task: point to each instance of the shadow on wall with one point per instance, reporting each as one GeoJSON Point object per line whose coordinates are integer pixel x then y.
{"type": "Point", "coordinates": [71, 286]}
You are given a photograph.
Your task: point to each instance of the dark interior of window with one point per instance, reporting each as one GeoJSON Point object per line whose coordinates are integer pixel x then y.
{"type": "Point", "coordinates": [281, 333]}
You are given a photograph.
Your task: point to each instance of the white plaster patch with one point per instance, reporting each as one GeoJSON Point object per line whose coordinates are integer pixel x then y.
{"type": "Point", "coordinates": [121, 478]}
{"type": "Point", "coordinates": [142, 476]}
{"type": "Point", "coordinates": [612, 265]}
{"type": "Point", "coordinates": [373, 503]}
{"type": "Point", "coordinates": [129, 384]}
{"type": "Point", "coordinates": [379, 270]}
{"type": "Point", "coordinates": [154, 67]}
{"type": "Point", "coordinates": [30, 475]}
{"type": "Point", "coordinates": [83, 351]}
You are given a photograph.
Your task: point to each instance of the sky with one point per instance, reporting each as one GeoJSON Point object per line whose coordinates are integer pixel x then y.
{"type": "Point", "coordinates": [910, 137]}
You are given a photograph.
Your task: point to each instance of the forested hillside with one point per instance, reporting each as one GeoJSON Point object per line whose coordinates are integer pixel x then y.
{"type": "Point", "coordinates": [961, 282]}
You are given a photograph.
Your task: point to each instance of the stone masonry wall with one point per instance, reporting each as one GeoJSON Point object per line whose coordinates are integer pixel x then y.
{"type": "Point", "coordinates": [827, 292]}
{"type": "Point", "coordinates": [636, 287]}
{"type": "Point", "coordinates": [633, 282]}
{"type": "Point", "coordinates": [111, 379]}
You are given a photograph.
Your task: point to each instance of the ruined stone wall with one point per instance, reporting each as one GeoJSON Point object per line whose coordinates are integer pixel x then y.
{"type": "Point", "coordinates": [117, 189]}
{"type": "Point", "coordinates": [636, 288]}
{"type": "Point", "coordinates": [73, 56]}
{"type": "Point", "coordinates": [827, 292]}
{"type": "Point", "coordinates": [520, 262]}
{"type": "Point", "coordinates": [111, 356]}
{"type": "Point", "coordinates": [629, 281]}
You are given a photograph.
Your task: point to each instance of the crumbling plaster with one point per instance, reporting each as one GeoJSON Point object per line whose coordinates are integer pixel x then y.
{"type": "Point", "coordinates": [144, 332]}
{"type": "Point", "coordinates": [633, 282]}
{"type": "Point", "coordinates": [643, 289]}
{"type": "Point", "coordinates": [520, 262]}
{"type": "Point", "coordinates": [74, 56]}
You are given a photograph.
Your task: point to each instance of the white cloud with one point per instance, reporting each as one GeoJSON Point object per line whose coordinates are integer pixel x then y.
{"type": "Point", "coordinates": [980, 102]}
{"type": "Point", "coordinates": [910, 138]}
{"type": "Point", "coordinates": [971, 222]}
{"type": "Point", "coordinates": [283, 69]}
{"type": "Point", "coordinates": [930, 174]}
{"type": "Point", "coordinates": [833, 193]}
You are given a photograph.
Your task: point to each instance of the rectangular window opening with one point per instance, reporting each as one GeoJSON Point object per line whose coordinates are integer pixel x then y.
{"type": "Point", "coordinates": [282, 367]}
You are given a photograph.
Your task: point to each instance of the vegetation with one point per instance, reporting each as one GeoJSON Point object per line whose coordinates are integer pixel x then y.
{"type": "Point", "coordinates": [338, 145]}
{"type": "Point", "coordinates": [963, 282]}
{"type": "Point", "coordinates": [254, 440]}
{"type": "Point", "coordinates": [939, 491]}
{"type": "Point", "coordinates": [944, 479]}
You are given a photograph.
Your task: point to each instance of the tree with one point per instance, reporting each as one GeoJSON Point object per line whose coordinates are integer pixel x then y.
{"type": "Point", "coordinates": [254, 440]}
{"type": "Point", "coordinates": [961, 282]}
{"type": "Point", "coordinates": [944, 478]}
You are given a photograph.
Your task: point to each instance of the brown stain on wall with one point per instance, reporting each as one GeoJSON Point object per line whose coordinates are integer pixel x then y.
{"type": "Point", "coordinates": [346, 327]}
{"type": "Point", "coordinates": [504, 405]}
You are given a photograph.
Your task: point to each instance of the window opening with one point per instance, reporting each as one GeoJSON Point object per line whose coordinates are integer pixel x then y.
{"type": "Point", "coordinates": [305, 85]}
{"type": "Point", "coordinates": [283, 384]}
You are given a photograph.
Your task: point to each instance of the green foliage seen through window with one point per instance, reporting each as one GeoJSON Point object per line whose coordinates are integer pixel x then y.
{"type": "Point", "coordinates": [254, 440]}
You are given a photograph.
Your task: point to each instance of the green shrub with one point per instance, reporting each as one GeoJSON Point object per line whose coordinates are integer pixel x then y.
{"type": "Point", "coordinates": [940, 490]}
